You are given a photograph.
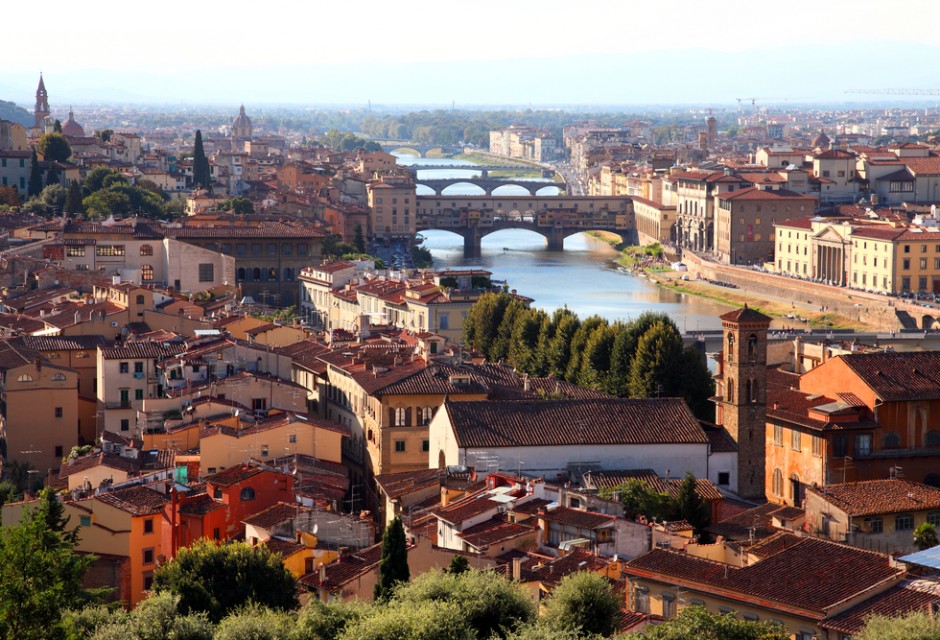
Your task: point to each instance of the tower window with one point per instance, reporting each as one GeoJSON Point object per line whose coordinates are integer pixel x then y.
{"type": "Point", "coordinates": [752, 348]}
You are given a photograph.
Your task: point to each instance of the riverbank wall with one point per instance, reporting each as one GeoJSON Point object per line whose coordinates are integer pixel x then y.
{"type": "Point", "coordinates": [877, 311]}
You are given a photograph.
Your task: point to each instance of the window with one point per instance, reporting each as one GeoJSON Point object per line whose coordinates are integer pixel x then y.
{"type": "Point", "coordinates": [932, 438]}
{"type": "Point", "coordinates": [724, 478]}
{"type": "Point", "coordinates": [904, 522]}
{"type": "Point", "coordinates": [696, 602]}
{"type": "Point", "coordinates": [425, 445]}
{"type": "Point", "coordinates": [256, 248]}
{"type": "Point", "coordinates": [259, 404]}
{"type": "Point", "coordinates": [399, 446]}
{"type": "Point", "coordinates": [292, 438]}
{"type": "Point", "coordinates": [934, 518]}
{"type": "Point", "coordinates": [148, 580]}
{"type": "Point", "coordinates": [206, 272]}
{"type": "Point", "coordinates": [401, 417]}
{"type": "Point", "coordinates": [123, 367]}
{"type": "Point", "coordinates": [778, 482]}
{"type": "Point", "coordinates": [426, 413]}
{"type": "Point", "coordinates": [75, 252]}
{"type": "Point", "coordinates": [125, 424]}
{"type": "Point", "coordinates": [85, 521]}
{"type": "Point", "coordinates": [891, 440]}
{"type": "Point", "coordinates": [58, 451]}
{"type": "Point", "coordinates": [148, 556]}
{"type": "Point", "coordinates": [669, 604]}
{"type": "Point", "coordinates": [795, 439]}
{"type": "Point", "coordinates": [148, 525]}
{"type": "Point", "coordinates": [863, 444]}
{"type": "Point", "coordinates": [247, 494]}
{"type": "Point", "coordinates": [641, 598]}
{"type": "Point", "coordinates": [138, 394]}
{"type": "Point", "coordinates": [24, 377]}
{"type": "Point", "coordinates": [752, 617]}
{"type": "Point", "coordinates": [109, 250]}
{"type": "Point", "coordinates": [817, 445]}
{"type": "Point", "coordinates": [874, 524]}
{"type": "Point", "coordinates": [146, 250]}
{"type": "Point", "coordinates": [778, 435]}
{"type": "Point", "coordinates": [906, 264]}
{"type": "Point", "coordinates": [138, 367]}
{"type": "Point", "coordinates": [58, 412]}
{"type": "Point", "coordinates": [272, 248]}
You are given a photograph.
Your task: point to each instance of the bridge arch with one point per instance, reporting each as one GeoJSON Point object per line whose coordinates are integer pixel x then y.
{"type": "Point", "coordinates": [928, 322]}
{"type": "Point", "coordinates": [408, 151]}
{"type": "Point", "coordinates": [463, 184]}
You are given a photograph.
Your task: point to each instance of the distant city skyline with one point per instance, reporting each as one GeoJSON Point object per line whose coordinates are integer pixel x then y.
{"type": "Point", "coordinates": [540, 53]}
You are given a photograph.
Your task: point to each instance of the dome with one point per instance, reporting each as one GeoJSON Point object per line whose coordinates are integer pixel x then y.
{"type": "Point", "coordinates": [241, 120]}
{"type": "Point", "coordinates": [821, 141]}
{"type": "Point", "coordinates": [71, 128]}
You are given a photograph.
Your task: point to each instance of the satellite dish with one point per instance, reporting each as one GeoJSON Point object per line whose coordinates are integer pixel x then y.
{"type": "Point", "coordinates": [316, 527]}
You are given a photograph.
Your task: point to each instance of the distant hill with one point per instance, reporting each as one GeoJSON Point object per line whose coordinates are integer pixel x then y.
{"type": "Point", "coordinates": [9, 111]}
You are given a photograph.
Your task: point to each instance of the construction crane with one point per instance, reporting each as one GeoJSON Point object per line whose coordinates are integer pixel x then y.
{"type": "Point", "coordinates": [897, 92]}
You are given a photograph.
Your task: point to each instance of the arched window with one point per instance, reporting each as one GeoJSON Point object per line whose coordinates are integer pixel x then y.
{"type": "Point", "coordinates": [58, 377]}
{"type": "Point", "coordinates": [891, 440]}
{"type": "Point", "coordinates": [272, 274]}
{"type": "Point", "coordinates": [749, 391]}
{"type": "Point", "coordinates": [932, 438]}
{"type": "Point", "coordinates": [146, 250]}
{"type": "Point", "coordinates": [754, 397]}
{"type": "Point", "coordinates": [778, 482]}
{"type": "Point", "coordinates": [256, 274]}
{"type": "Point", "coordinates": [752, 348]}
{"type": "Point", "coordinates": [730, 357]}
{"type": "Point", "coordinates": [796, 489]}
{"type": "Point", "coordinates": [730, 390]}
{"type": "Point", "coordinates": [240, 274]}
{"type": "Point", "coordinates": [25, 377]}
{"type": "Point", "coordinates": [146, 272]}
{"type": "Point", "coordinates": [247, 494]}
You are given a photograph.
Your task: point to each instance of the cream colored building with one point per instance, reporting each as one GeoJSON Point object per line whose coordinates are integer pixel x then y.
{"type": "Point", "coordinates": [128, 375]}
{"type": "Point", "coordinates": [655, 223]}
{"type": "Point", "coordinates": [393, 209]}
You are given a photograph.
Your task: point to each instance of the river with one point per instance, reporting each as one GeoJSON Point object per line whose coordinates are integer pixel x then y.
{"type": "Point", "coordinates": [583, 276]}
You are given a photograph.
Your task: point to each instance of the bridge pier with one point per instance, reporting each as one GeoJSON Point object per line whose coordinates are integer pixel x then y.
{"type": "Point", "coordinates": [556, 240]}
{"type": "Point", "coordinates": [471, 243]}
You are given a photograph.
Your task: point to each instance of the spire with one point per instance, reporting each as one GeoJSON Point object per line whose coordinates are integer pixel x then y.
{"type": "Point", "coordinates": [42, 85]}
{"type": "Point", "coordinates": [241, 109]}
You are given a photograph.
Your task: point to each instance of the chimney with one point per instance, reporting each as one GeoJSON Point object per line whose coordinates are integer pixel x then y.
{"type": "Point", "coordinates": [322, 573]}
{"type": "Point", "coordinates": [517, 569]}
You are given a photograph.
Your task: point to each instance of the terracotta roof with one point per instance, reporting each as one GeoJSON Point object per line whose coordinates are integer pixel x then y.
{"type": "Point", "coordinates": [756, 522]}
{"type": "Point", "coordinates": [100, 459]}
{"type": "Point", "coordinates": [799, 574]}
{"type": "Point", "coordinates": [200, 505]}
{"type": "Point", "coordinates": [745, 315]}
{"type": "Point", "coordinates": [137, 501]}
{"type": "Point", "coordinates": [719, 438]}
{"type": "Point", "coordinates": [756, 193]}
{"type": "Point", "coordinates": [63, 343]}
{"type": "Point", "coordinates": [141, 350]}
{"type": "Point", "coordinates": [493, 531]}
{"type": "Point", "coordinates": [876, 497]}
{"type": "Point", "coordinates": [899, 600]}
{"type": "Point", "coordinates": [271, 230]}
{"type": "Point", "coordinates": [897, 376]}
{"type": "Point", "coordinates": [233, 475]}
{"type": "Point", "coordinates": [396, 485]}
{"type": "Point", "coordinates": [467, 507]}
{"type": "Point", "coordinates": [552, 572]}
{"type": "Point", "coordinates": [274, 515]}
{"type": "Point", "coordinates": [284, 547]}
{"type": "Point", "coordinates": [564, 423]}
{"type": "Point", "coordinates": [576, 518]}
{"type": "Point", "coordinates": [435, 379]}
{"type": "Point", "coordinates": [611, 479]}
{"type": "Point", "coordinates": [344, 570]}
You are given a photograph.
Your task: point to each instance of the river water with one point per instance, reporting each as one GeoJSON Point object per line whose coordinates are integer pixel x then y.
{"type": "Point", "coordinates": [583, 276]}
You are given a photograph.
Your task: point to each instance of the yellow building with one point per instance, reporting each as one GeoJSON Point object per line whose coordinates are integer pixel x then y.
{"type": "Point", "coordinates": [655, 222]}
{"type": "Point", "coordinates": [392, 207]}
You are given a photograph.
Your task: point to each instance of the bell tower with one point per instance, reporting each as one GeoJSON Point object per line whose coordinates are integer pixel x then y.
{"type": "Point", "coordinates": [741, 394]}
{"type": "Point", "coordinates": [41, 112]}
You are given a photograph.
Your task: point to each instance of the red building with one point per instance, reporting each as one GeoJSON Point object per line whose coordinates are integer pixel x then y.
{"type": "Point", "coordinates": [230, 497]}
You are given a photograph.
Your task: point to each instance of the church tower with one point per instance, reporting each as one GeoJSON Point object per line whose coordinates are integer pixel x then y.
{"type": "Point", "coordinates": [41, 112]}
{"type": "Point", "coordinates": [741, 394]}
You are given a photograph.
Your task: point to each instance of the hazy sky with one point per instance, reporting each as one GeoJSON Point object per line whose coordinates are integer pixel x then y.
{"type": "Point", "coordinates": [506, 51]}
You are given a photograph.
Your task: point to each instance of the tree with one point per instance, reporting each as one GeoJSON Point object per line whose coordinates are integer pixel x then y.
{"type": "Point", "coordinates": [490, 605]}
{"type": "Point", "coordinates": [104, 134]}
{"type": "Point", "coordinates": [578, 343]}
{"type": "Point", "coordinates": [657, 364]}
{"type": "Point", "coordinates": [54, 147]}
{"type": "Point", "coordinates": [122, 199]}
{"type": "Point", "coordinates": [73, 198]}
{"type": "Point", "coordinates": [238, 204]}
{"type": "Point", "coordinates": [925, 536]}
{"type": "Point", "coordinates": [35, 177]}
{"type": "Point", "coordinates": [201, 171]}
{"type": "Point", "coordinates": [917, 625]}
{"type": "Point", "coordinates": [57, 126]}
{"type": "Point", "coordinates": [95, 180]}
{"type": "Point", "coordinates": [690, 506]}
{"type": "Point", "coordinates": [481, 326]}
{"type": "Point", "coordinates": [217, 579]}
{"type": "Point", "coordinates": [458, 564]}
{"type": "Point", "coordinates": [697, 384]}
{"type": "Point", "coordinates": [10, 196]}
{"type": "Point", "coordinates": [583, 601]}
{"type": "Point", "coordinates": [558, 352]}
{"type": "Point", "coordinates": [595, 360]}
{"type": "Point", "coordinates": [54, 196]}
{"type": "Point", "coordinates": [359, 240]}
{"type": "Point", "coordinates": [393, 567]}
{"type": "Point", "coordinates": [326, 621]}
{"type": "Point", "coordinates": [638, 499]}
{"type": "Point", "coordinates": [697, 623]}
{"type": "Point", "coordinates": [410, 621]}
{"type": "Point", "coordinates": [255, 623]}
{"type": "Point", "coordinates": [40, 575]}
{"type": "Point", "coordinates": [155, 618]}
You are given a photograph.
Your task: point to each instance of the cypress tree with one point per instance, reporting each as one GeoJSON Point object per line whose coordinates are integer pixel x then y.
{"type": "Point", "coordinates": [359, 240]}
{"type": "Point", "coordinates": [690, 506]}
{"type": "Point", "coordinates": [393, 567]}
{"type": "Point", "coordinates": [57, 126]}
{"type": "Point", "coordinates": [35, 177]}
{"type": "Point", "coordinates": [73, 199]}
{"type": "Point", "coordinates": [201, 172]}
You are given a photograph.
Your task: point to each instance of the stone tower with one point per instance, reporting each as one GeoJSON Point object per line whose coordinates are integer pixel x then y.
{"type": "Point", "coordinates": [41, 112]}
{"type": "Point", "coordinates": [741, 394]}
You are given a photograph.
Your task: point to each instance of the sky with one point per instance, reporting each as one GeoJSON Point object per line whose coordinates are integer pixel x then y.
{"type": "Point", "coordinates": [494, 52]}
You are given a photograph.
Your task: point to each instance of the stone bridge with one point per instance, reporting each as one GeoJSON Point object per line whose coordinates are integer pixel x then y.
{"type": "Point", "coordinates": [489, 184]}
{"type": "Point", "coordinates": [420, 149]}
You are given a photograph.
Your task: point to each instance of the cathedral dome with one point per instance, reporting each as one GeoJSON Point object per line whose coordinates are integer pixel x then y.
{"type": "Point", "coordinates": [71, 128]}
{"type": "Point", "coordinates": [241, 122]}
{"type": "Point", "coordinates": [821, 141]}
